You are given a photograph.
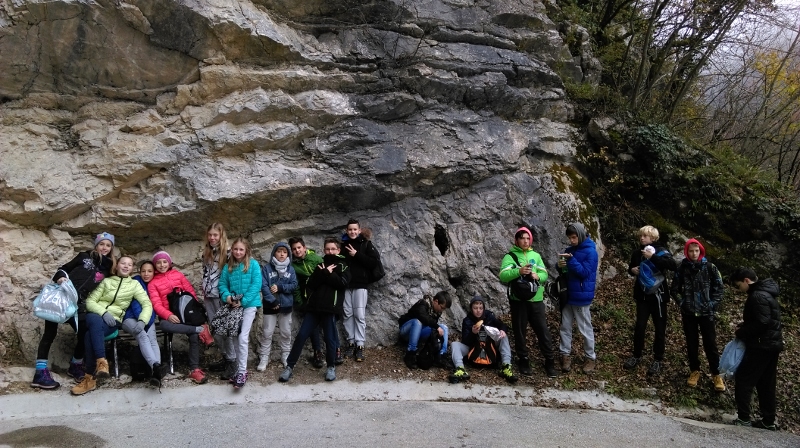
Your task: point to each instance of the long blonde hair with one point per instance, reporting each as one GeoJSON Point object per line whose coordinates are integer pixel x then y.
{"type": "Point", "coordinates": [222, 248]}
{"type": "Point", "coordinates": [247, 255]}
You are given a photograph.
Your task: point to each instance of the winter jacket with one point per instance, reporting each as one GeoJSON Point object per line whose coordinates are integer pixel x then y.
{"type": "Point", "coordinates": [509, 269]}
{"type": "Point", "coordinates": [115, 294]}
{"type": "Point", "coordinates": [697, 286]}
{"type": "Point", "coordinates": [303, 267]}
{"type": "Point", "coordinates": [326, 289]}
{"type": "Point", "coordinates": [422, 311]}
{"type": "Point", "coordinates": [286, 282]}
{"type": "Point", "coordinates": [85, 271]}
{"type": "Point", "coordinates": [762, 328]}
{"type": "Point", "coordinates": [135, 309]}
{"type": "Point", "coordinates": [211, 274]}
{"type": "Point", "coordinates": [469, 338]}
{"type": "Point", "coordinates": [581, 269]}
{"type": "Point", "coordinates": [236, 281]}
{"type": "Point", "coordinates": [362, 263]}
{"type": "Point", "coordinates": [662, 260]}
{"type": "Point", "coordinates": [163, 285]}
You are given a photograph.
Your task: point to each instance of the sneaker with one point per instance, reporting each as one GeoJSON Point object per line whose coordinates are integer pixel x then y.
{"type": "Point", "coordinates": [654, 369]}
{"type": "Point", "coordinates": [761, 425]}
{"type": "Point", "coordinates": [694, 377]}
{"type": "Point", "coordinates": [218, 366]}
{"type": "Point", "coordinates": [524, 364]}
{"type": "Point", "coordinates": [230, 370]}
{"type": "Point", "coordinates": [719, 384]}
{"type": "Point", "coordinates": [410, 359]}
{"type": "Point", "coordinates": [507, 374]}
{"type": "Point", "coordinates": [262, 364]}
{"type": "Point", "coordinates": [241, 379]}
{"type": "Point", "coordinates": [460, 374]}
{"type": "Point", "coordinates": [198, 376]}
{"type": "Point", "coordinates": [350, 350]}
{"type": "Point", "coordinates": [101, 372]}
{"type": "Point", "coordinates": [589, 366]}
{"type": "Point", "coordinates": [339, 360]}
{"type": "Point", "coordinates": [205, 336]}
{"type": "Point", "coordinates": [285, 375]}
{"type": "Point", "coordinates": [76, 370]}
{"type": "Point", "coordinates": [330, 374]}
{"type": "Point", "coordinates": [566, 363]}
{"type": "Point", "coordinates": [550, 368]}
{"type": "Point", "coordinates": [88, 384]}
{"type": "Point", "coordinates": [358, 354]}
{"type": "Point", "coordinates": [631, 363]}
{"type": "Point", "coordinates": [318, 360]}
{"type": "Point", "coordinates": [740, 422]}
{"type": "Point", "coordinates": [157, 376]}
{"type": "Point", "coordinates": [43, 380]}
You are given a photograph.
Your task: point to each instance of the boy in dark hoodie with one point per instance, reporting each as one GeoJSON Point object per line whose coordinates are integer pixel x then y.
{"type": "Point", "coordinates": [698, 289]}
{"type": "Point", "coordinates": [761, 332]}
{"type": "Point", "coordinates": [326, 287]}
{"type": "Point", "coordinates": [278, 283]}
{"type": "Point", "coordinates": [362, 257]}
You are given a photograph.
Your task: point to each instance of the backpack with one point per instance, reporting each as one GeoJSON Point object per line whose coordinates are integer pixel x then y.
{"type": "Point", "coordinates": [650, 278]}
{"type": "Point", "coordinates": [522, 288]}
{"type": "Point", "coordinates": [140, 370]}
{"type": "Point", "coordinates": [377, 272]}
{"type": "Point", "coordinates": [484, 353]}
{"type": "Point", "coordinates": [556, 290]}
{"type": "Point", "coordinates": [183, 304]}
{"type": "Point", "coordinates": [426, 355]}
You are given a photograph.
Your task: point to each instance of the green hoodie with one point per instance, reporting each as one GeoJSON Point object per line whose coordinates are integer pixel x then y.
{"type": "Point", "coordinates": [304, 267]}
{"type": "Point", "coordinates": [509, 270]}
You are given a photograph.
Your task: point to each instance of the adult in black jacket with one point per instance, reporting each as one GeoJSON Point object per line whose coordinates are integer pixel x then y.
{"type": "Point", "coordinates": [761, 332]}
{"type": "Point", "coordinates": [650, 305]}
{"type": "Point", "coordinates": [362, 257]}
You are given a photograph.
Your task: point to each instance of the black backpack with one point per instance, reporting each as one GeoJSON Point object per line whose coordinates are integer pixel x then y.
{"type": "Point", "coordinates": [186, 307]}
{"type": "Point", "coordinates": [523, 288]}
{"type": "Point", "coordinates": [377, 272]}
{"type": "Point", "coordinates": [426, 355]}
{"type": "Point", "coordinates": [484, 353]}
{"type": "Point", "coordinates": [140, 370]}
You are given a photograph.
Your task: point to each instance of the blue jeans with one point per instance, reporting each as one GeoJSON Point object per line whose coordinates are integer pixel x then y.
{"type": "Point", "coordinates": [96, 331]}
{"type": "Point", "coordinates": [310, 323]}
{"type": "Point", "coordinates": [413, 332]}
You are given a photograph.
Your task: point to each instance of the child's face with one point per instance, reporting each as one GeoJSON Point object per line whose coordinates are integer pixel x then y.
{"type": "Point", "coordinates": [573, 240]}
{"type": "Point", "coordinates": [693, 252]}
{"type": "Point", "coordinates": [298, 250]}
{"type": "Point", "coordinates": [162, 266]}
{"type": "Point", "coordinates": [438, 307]}
{"type": "Point", "coordinates": [281, 254]}
{"type": "Point", "coordinates": [524, 241]}
{"type": "Point", "coordinates": [741, 286]}
{"type": "Point", "coordinates": [213, 237]}
{"type": "Point", "coordinates": [124, 267]}
{"type": "Point", "coordinates": [477, 309]}
{"type": "Point", "coordinates": [238, 250]}
{"type": "Point", "coordinates": [332, 249]}
{"type": "Point", "coordinates": [645, 239]}
{"type": "Point", "coordinates": [353, 230]}
{"type": "Point", "coordinates": [147, 272]}
{"type": "Point", "coordinates": [104, 247]}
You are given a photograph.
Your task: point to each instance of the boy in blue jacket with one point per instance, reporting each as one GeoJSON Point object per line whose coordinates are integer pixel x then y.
{"type": "Point", "coordinates": [278, 284]}
{"type": "Point", "coordinates": [579, 261]}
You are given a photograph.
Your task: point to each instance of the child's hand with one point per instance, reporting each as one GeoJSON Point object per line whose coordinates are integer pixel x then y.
{"type": "Point", "coordinates": [62, 280]}
{"type": "Point", "coordinates": [331, 268]}
{"type": "Point", "coordinates": [525, 270]}
{"type": "Point", "coordinates": [502, 334]}
{"type": "Point", "coordinates": [635, 270]}
{"type": "Point", "coordinates": [321, 266]}
{"type": "Point", "coordinates": [441, 332]}
{"type": "Point", "coordinates": [351, 249]}
{"type": "Point", "coordinates": [174, 319]}
{"type": "Point", "coordinates": [273, 289]}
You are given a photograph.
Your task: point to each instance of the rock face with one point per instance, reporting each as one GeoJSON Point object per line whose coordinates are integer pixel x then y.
{"type": "Point", "coordinates": [439, 124]}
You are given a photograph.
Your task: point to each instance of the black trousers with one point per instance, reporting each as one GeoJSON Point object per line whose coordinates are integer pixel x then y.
{"type": "Point", "coordinates": [657, 310]}
{"type": "Point", "coordinates": [50, 332]}
{"type": "Point", "coordinates": [759, 370]}
{"type": "Point", "coordinates": [705, 325]}
{"type": "Point", "coordinates": [535, 314]}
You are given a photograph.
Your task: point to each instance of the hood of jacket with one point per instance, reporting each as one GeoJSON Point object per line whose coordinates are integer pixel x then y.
{"type": "Point", "coordinates": [283, 245]}
{"type": "Point", "coordinates": [767, 285]}
{"type": "Point", "coordinates": [691, 241]}
{"type": "Point", "coordinates": [579, 230]}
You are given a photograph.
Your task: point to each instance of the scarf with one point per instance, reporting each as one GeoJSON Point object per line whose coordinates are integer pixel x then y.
{"type": "Point", "coordinates": [281, 266]}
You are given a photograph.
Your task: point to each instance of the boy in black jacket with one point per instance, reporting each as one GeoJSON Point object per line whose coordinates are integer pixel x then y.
{"type": "Point", "coordinates": [421, 322]}
{"type": "Point", "coordinates": [761, 332]}
{"type": "Point", "coordinates": [326, 287]}
{"type": "Point", "coordinates": [362, 257]}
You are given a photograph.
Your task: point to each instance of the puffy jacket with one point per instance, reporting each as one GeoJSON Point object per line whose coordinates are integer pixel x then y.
{"type": "Point", "coordinates": [662, 260]}
{"type": "Point", "coordinates": [286, 283]}
{"type": "Point", "coordinates": [115, 294]}
{"type": "Point", "coordinates": [509, 269]}
{"type": "Point", "coordinates": [582, 272]}
{"type": "Point", "coordinates": [326, 289]}
{"type": "Point", "coordinates": [469, 338]}
{"type": "Point", "coordinates": [135, 309]}
{"type": "Point", "coordinates": [362, 263]}
{"type": "Point", "coordinates": [762, 328]}
{"type": "Point", "coordinates": [236, 281]}
{"type": "Point", "coordinates": [303, 268]}
{"type": "Point", "coordinates": [164, 284]}
{"type": "Point", "coordinates": [85, 271]}
{"type": "Point", "coordinates": [423, 311]}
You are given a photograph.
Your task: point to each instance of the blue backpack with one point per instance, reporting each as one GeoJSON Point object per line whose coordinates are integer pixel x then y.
{"type": "Point", "coordinates": [650, 278]}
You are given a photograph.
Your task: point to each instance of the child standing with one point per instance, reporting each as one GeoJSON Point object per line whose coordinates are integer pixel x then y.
{"type": "Point", "coordinates": [278, 283]}
{"type": "Point", "coordinates": [215, 256]}
{"type": "Point", "coordinates": [304, 261]}
{"type": "Point", "coordinates": [105, 308]}
{"type": "Point", "coordinates": [362, 257]}
{"type": "Point", "coordinates": [166, 280]}
{"type": "Point", "coordinates": [698, 289]}
{"type": "Point", "coordinates": [325, 292]}
{"type": "Point", "coordinates": [145, 332]}
{"type": "Point", "coordinates": [86, 271]}
{"type": "Point", "coordinates": [242, 278]}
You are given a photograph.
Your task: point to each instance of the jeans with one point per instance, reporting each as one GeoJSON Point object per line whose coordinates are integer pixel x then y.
{"type": "Point", "coordinates": [284, 323]}
{"type": "Point", "coordinates": [645, 309]}
{"type": "Point", "coordinates": [759, 370]}
{"type": "Point", "coordinates": [96, 331]}
{"type": "Point", "coordinates": [461, 350]}
{"type": "Point", "coordinates": [194, 340]}
{"type": "Point", "coordinates": [413, 332]}
{"type": "Point", "coordinates": [535, 314]}
{"type": "Point", "coordinates": [583, 317]}
{"type": "Point", "coordinates": [705, 325]}
{"type": "Point", "coordinates": [148, 344]}
{"type": "Point", "coordinates": [309, 326]}
{"type": "Point", "coordinates": [50, 332]}
{"type": "Point", "coordinates": [355, 311]}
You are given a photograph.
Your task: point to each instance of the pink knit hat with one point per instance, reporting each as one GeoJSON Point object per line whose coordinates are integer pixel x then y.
{"type": "Point", "coordinates": [162, 255]}
{"type": "Point", "coordinates": [526, 230]}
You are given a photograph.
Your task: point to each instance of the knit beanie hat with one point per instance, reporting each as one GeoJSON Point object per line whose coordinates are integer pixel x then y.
{"type": "Point", "coordinates": [103, 236]}
{"type": "Point", "coordinates": [526, 230]}
{"type": "Point", "coordinates": [477, 298]}
{"type": "Point", "coordinates": [162, 255]}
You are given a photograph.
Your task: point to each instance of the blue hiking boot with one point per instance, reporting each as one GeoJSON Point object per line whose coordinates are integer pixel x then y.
{"type": "Point", "coordinates": [43, 380]}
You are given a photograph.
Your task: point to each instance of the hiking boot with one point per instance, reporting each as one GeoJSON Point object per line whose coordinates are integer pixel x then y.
{"type": "Point", "coordinates": [655, 368]}
{"type": "Point", "coordinates": [230, 370]}
{"type": "Point", "coordinates": [218, 366]}
{"type": "Point", "coordinates": [318, 360]}
{"type": "Point", "coordinates": [589, 365]}
{"type": "Point", "coordinates": [740, 422]}
{"type": "Point", "coordinates": [157, 376]}
{"type": "Point", "coordinates": [442, 361]}
{"type": "Point", "coordinates": [205, 336]}
{"type": "Point", "coordinates": [524, 364]}
{"type": "Point", "coordinates": [241, 379]}
{"type": "Point", "coordinates": [43, 380]}
{"type": "Point", "coordinates": [566, 363]}
{"type": "Point", "coordinates": [285, 375]}
{"type": "Point", "coordinates": [761, 425]}
{"type": "Point", "coordinates": [358, 354]}
{"type": "Point", "coordinates": [330, 374]}
{"type": "Point", "coordinates": [339, 359]}
{"type": "Point", "coordinates": [410, 359]}
{"type": "Point", "coordinates": [198, 376]}
{"type": "Point", "coordinates": [350, 350]}
{"type": "Point", "coordinates": [262, 363]}
{"type": "Point", "coordinates": [631, 363]}
{"type": "Point", "coordinates": [507, 374]}
{"type": "Point", "coordinates": [76, 370]}
{"type": "Point", "coordinates": [719, 384]}
{"type": "Point", "coordinates": [460, 374]}
{"type": "Point", "coordinates": [101, 372]}
{"type": "Point", "coordinates": [694, 377]}
{"type": "Point", "coordinates": [550, 368]}
{"type": "Point", "coordinates": [88, 384]}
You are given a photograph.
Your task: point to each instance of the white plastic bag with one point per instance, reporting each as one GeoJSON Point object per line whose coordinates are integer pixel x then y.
{"type": "Point", "coordinates": [56, 303]}
{"type": "Point", "coordinates": [731, 357]}
{"type": "Point", "coordinates": [492, 332]}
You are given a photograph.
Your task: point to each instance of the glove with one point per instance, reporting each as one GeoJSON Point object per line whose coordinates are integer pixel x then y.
{"type": "Point", "coordinates": [138, 328]}
{"type": "Point", "coordinates": [109, 319]}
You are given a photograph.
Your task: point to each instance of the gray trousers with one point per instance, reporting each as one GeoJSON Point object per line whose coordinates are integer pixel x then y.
{"type": "Point", "coordinates": [243, 341]}
{"type": "Point", "coordinates": [355, 315]}
{"type": "Point", "coordinates": [194, 340]}
{"type": "Point", "coordinates": [583, 317]}
{"type": "Point", "coordinates": [460, 351]}
{"type": "Point", "coordinates": [148, 344]}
